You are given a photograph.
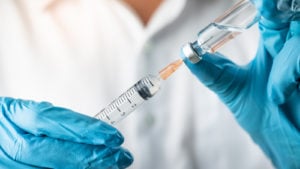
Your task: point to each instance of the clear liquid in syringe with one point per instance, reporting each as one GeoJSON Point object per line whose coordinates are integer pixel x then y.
{"type": "Point", "coordinates": [136, 95]}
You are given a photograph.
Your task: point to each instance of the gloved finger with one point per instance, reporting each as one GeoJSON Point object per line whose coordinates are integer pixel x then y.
{"type": "Point", "coordinates": [217, 73]}
{"type": "Point", "coordinates": [45, 119]}
{"type": "Point", "coordinates": [118, 160]}
{"type": "Point", "coordinates": [285, 74]}
{"type": "Point", "coordinates": [8, 162]}
{"type": "Point", "coordinates": [47, 152]}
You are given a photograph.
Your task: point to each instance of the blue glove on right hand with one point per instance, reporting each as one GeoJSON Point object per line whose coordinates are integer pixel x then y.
{"type": "Point", "coordinates": [39, 135]}
{"type": "Point", "coordinates": [244, 90]}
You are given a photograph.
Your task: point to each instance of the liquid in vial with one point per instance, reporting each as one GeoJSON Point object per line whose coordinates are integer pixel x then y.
{"type": "Point", "coordinates": [215, 36]}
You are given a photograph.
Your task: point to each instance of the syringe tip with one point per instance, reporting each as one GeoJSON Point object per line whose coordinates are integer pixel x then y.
{"type": "Point", "coordinates": [170, 69]}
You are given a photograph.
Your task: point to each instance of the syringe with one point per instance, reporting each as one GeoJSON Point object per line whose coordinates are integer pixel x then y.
{"type": "Point", "coordinates": [136, 95]}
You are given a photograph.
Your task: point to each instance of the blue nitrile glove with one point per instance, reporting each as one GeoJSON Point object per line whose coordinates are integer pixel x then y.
{"type": "Point", "coordinates": [280, 11]}
{"type": "Point", "coordinates": [285, 73]}
{"type": "Point", "coordinates": [39, 135]}
{"type": "Point", "coordinates": [244, 90]}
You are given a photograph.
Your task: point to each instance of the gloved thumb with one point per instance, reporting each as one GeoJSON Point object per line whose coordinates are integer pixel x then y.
{"type": "Point", "coordinates": [217, 73]}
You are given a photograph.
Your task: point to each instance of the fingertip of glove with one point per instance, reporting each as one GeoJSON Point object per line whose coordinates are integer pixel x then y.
{"type": "Point", "coordinates": [120, 138]}
{"type": "Point", "coordinates": [125, 159]}
{"type": "Point", "coordinates": [114, 139]}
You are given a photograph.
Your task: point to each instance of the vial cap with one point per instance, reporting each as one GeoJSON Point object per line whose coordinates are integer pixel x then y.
{"type": "Point", "coordinates": [189, 52]}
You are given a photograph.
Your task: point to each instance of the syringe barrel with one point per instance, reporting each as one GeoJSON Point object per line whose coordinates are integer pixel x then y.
{"type": "Point", "coordinates": [227, 26]}
{"type": "Point", "coordinates": [130, 100]}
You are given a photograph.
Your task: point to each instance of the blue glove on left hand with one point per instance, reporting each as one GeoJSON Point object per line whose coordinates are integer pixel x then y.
{"type": "Point", "coordinates": [40, 135]}
{"type": "Point", "coordinates": [244, 90]}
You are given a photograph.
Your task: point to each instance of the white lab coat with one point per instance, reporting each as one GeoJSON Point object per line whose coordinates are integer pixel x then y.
{"type": "Point", "coordinates": [81, 54]}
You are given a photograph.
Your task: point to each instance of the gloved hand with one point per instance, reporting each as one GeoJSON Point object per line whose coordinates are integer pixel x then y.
{"type": "Point", "coordinates": [39, 135]}
{"type": "Point", "coordinates": [244, 90]}
{"type": "Point", "coordinates": [280, 11]}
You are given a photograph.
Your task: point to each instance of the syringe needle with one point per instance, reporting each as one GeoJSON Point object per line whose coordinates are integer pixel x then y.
{"type": "Point", "coordinates": [170, 69]}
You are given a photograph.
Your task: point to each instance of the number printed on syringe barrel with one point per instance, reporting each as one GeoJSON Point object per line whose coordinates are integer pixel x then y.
{"type": "Point", "coordinates": [130, 100]}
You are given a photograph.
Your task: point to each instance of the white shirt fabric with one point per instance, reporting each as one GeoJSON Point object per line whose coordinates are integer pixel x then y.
{"type": "Point", "coordinates": [81, 54]}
